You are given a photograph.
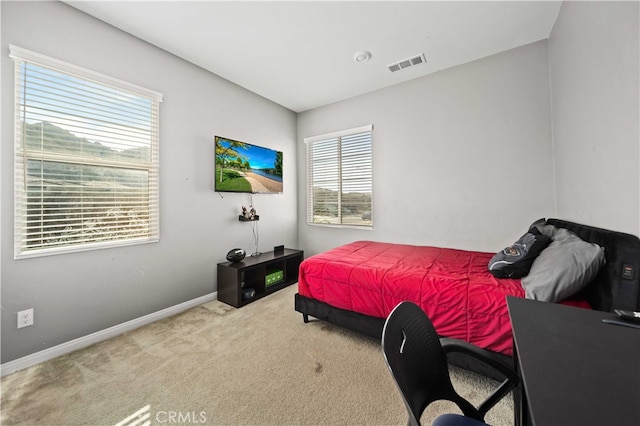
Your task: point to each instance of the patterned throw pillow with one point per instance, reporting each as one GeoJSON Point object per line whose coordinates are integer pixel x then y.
{"type": "Point", "coordinates": [515, 261]}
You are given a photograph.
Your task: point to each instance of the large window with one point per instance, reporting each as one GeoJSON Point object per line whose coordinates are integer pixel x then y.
{"type": "Point", "coordinates": [340, 178]}
{"type": "Point", "coordinates": [86, 158]}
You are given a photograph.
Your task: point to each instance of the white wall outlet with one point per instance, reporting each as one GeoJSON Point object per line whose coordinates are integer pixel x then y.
{"type": "Point", "coordinates": [25, 318]}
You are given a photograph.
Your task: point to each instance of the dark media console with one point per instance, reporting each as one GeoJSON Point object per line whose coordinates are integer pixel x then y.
{"type": "Point", "coordinates": [264, 274]}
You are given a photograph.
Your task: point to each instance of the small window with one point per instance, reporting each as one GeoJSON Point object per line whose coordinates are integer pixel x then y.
{"type": "Point", "coordinates": [86, 159]}
{"type": "Point", "coordinates": [340, 178]}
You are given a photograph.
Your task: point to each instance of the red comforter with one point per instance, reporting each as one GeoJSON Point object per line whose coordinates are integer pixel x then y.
{"type": "Point", "coordinates": [454, 287]}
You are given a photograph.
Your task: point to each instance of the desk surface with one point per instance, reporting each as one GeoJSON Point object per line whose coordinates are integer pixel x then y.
{"type": "Point", "coordinates": [576, 369]}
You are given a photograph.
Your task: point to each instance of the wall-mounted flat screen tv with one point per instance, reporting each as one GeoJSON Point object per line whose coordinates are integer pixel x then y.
{"type": "Point", "coordinates": [243, 167]}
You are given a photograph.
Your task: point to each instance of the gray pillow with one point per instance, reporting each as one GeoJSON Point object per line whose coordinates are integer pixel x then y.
{"type": "Point", "coordinates": [544, 228]}
{"type": "Point", "coordinates": [565, 267]}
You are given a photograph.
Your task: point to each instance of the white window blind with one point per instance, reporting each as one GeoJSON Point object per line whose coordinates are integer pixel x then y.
{"type": "Point", "coordinates": [340, 178]}
{"type": "Point", "coordinates": [86, 159]}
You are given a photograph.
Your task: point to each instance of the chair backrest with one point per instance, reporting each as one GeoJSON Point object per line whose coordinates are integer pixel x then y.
{"type": "Point", "coordinates": [417, 362]}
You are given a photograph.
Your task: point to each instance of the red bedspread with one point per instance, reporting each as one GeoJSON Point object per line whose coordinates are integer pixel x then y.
{"type": "Point", "coordinates": [454, 287]}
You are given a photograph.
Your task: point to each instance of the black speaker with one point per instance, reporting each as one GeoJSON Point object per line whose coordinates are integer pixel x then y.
{"type": "Point", "coordinates": [248, 293]}
{"type": "Point", "coordinates": [235, 255]}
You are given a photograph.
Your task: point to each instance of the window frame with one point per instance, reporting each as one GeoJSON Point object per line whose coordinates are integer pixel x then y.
{"type": "Point", "coordinates": [339, 135]}
{"type": "Point", "coordinates": [23, 155]}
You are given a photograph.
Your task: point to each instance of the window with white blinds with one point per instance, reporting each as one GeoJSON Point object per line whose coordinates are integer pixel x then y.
{"type": "Point", "coordinates": [340, 178]}
{"type": "Point", "coordinates": [86, 159]}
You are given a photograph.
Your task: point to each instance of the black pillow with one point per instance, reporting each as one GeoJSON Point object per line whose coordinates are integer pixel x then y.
{"type": "Point", "coordinates": [515, 261]}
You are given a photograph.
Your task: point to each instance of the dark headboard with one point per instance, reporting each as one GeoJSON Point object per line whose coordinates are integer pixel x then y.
{"type": "Point", "coordinates": [610, 290]}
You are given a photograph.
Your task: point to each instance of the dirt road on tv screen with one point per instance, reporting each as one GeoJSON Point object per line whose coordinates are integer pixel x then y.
{"type": "Point", "coordinates": [261, 184]}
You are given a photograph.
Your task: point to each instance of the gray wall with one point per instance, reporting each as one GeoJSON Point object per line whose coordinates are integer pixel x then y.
{"type": "Point", "coordinates": [462, 158]}
{"type": "Point", "coordinates": [77, 294]}
{"type": "Point", "coordinates": [593, 52]}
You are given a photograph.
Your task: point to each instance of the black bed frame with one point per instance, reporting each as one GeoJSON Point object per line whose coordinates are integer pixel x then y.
{"type": "Point", "coordinates": [608, 291]}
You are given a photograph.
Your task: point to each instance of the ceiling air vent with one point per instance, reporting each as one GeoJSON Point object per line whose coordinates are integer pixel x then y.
{"type": "Point", "coordinates": [406, 63]}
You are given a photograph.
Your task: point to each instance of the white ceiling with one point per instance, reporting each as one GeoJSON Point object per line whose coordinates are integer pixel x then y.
{"type": "Point", "coordinates": [299, 54]}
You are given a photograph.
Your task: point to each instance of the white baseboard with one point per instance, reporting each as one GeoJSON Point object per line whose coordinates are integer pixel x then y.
{"type": "Point", "coordinates": [83, 342]}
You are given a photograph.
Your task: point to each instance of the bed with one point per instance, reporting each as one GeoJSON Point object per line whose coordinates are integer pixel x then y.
{"type": "Point", "coordinates": [356, 285]}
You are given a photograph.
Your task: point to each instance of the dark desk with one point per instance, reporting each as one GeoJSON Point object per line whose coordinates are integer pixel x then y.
{"type": "Point", "coordinates": [576, 370]}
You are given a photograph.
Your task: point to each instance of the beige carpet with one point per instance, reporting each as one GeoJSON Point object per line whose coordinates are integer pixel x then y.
{"type": "Point", "coordinates": [217, 365]}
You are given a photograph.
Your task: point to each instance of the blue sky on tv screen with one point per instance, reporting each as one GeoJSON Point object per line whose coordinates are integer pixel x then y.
{"type": "Point", "coordinates": [258, 157]}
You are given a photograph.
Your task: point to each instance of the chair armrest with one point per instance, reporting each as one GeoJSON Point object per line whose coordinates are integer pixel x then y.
{"type": "Point", "coordinates": [511, 382]}
{"type": "Point", "coordinates": [456, 345]}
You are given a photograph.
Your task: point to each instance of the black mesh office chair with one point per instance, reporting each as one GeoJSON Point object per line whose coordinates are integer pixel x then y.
{"type": "Point", "coordinates": [416, 357]}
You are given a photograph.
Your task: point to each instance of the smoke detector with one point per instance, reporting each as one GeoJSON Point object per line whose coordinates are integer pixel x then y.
{"type": "Point", "coordinates": [362, 56]}
{"type": "Point", "coordinates": [406, 63]}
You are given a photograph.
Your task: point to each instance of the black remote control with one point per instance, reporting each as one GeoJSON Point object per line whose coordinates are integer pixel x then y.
{"type": "Point", "coordinates": [628, 315]}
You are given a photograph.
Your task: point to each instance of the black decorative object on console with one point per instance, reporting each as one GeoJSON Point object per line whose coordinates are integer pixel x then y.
{"type": "Point", "coordinates": [236, 255]}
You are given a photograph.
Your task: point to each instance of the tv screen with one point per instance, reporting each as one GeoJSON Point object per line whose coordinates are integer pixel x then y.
{"type": "Point", "coordinates": [243, 167]}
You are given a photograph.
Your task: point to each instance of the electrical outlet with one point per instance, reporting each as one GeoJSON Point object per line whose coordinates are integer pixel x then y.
{"type": "Point", "coordinates": [25, 318]}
